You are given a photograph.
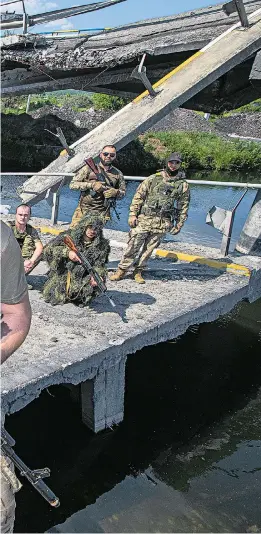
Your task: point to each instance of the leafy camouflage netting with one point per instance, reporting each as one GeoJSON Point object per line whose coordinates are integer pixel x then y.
{"type": "Point", "coordinates": [62, 287]}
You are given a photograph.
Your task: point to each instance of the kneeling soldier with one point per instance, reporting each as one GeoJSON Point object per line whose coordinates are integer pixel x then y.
{"type": "Point", "coordinates": [68, 279]}
{"type": "Point", "coordinates": [160, 205]}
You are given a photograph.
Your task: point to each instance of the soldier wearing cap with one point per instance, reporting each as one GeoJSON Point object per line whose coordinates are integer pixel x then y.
{"type": "Point", "coordinates": [160, 205]}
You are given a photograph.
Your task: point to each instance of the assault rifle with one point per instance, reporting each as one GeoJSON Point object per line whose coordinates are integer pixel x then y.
{"type": "Point", "coordinates": [35, 477]}
{"type": "Point", "coordinates": [99, 281]}
{"type": "Point", "coordinates": [101, 177]}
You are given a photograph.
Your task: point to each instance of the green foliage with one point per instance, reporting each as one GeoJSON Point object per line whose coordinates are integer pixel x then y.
{"type": "Point", "coordinates": [102, 101]}
{"type": "Point", "coordinates": [200, 151]}
{"type": "Point", "coordinates": [206, 151]}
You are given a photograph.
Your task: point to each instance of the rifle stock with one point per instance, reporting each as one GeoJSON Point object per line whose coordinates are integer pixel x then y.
{"type": "Point", "coordinates": [33, 476]}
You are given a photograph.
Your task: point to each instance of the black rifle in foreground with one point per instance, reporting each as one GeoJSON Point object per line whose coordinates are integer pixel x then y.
{"type": "Point", "coordinates": [34, 477]}
{"type": "Point", "coordinates": [99, 281]}
{"type": "Point", "coordinates": [101, 177]}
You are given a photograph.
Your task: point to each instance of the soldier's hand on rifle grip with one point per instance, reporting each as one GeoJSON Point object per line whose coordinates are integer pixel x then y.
{"type": "Point", "coordinates": [93, 282]}
{"type": "Point", "coordinates": [97, 187]}
{"type": "Point", "coordinates": [133, 221]}
{"type": "Point", "coordinates": [111, 192]}
{"type": "Point", "coordinates": [73, 256]}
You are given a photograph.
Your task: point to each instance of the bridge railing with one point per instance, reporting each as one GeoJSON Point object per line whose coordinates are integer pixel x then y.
{"type": "Point", "coordinates": [53, 195]}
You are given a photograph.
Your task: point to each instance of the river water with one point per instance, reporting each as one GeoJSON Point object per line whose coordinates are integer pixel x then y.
{"type": "Point", "coordinates": [187, 457]}
{"type": "Point", "coordinates": [195, 229]}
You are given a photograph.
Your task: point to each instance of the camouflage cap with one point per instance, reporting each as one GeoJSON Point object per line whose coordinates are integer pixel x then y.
{"type": "Point", "coordinates": [175, 156]}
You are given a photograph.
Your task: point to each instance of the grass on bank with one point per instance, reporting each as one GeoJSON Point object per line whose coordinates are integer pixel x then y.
{"type": "Point", "coordinates": [202, 151]}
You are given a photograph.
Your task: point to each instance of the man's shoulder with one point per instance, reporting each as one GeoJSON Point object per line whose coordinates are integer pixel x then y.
{"type": "Point", "coordinates": [32, 231]}
{"type": "Point", "coordinates": [115, 170]}
{"type": "Point", "coordinates": [6, 232]}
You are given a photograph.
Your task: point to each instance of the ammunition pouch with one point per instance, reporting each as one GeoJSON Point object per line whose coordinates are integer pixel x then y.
{"type": "Point", "coordinates": [163, 213]}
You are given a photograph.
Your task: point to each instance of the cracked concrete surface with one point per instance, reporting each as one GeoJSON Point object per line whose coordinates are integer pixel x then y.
{"type": "Point", "coordinates": [67, 344]}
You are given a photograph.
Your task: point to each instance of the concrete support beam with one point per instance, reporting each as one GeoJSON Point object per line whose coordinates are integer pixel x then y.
{"type": "Point", "coordinates": [188, 79]}
{"type": "Point", "coordinates": [250, 237]}
{"type": "Point", "coordinates": [103, 398]}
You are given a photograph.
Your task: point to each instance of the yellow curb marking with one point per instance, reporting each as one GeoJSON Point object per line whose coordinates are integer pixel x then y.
{"type": "Point", "coordinates": [49, 230]}
{"type": "Point", "coordinates": [230, 267]}
{"type": "Point", "coordinates": [167, 76]}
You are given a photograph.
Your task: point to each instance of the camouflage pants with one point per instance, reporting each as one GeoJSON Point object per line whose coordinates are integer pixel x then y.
{"type": "Point", "coordinates": [139, 249]}
{"type": "Point", "coordinates": [9, 485]}
{"type": "Point", "coordinates": [79, 213]}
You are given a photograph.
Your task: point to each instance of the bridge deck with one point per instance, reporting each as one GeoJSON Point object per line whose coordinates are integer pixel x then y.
{"type": "Point", "coordinates": [72, 345]}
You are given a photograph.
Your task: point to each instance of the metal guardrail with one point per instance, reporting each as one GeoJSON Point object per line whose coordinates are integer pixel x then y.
{"type": "Point", "coordinates": [53, 196]}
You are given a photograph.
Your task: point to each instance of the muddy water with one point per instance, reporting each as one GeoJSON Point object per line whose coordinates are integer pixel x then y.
{"type": "Point", "coordinates": [187, 457]}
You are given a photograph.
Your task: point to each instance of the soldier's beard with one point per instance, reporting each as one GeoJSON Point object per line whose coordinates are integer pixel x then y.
{"type": "Point", "coordinates": [106, 163]}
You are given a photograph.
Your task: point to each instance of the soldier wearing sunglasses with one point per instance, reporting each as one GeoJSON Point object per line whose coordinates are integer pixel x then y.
{"type": "Point", "coordinates": [94, 193]}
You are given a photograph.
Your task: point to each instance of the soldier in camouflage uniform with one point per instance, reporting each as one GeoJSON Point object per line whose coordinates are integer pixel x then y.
{"type": "Point", "coordinates": [95, 194]}
{"type": "Point", "coordinates": [27, 237]}
{"type": "Point", "coordinates": [160, 205]}
{"type": "Point", "coordinates": [68, 280]}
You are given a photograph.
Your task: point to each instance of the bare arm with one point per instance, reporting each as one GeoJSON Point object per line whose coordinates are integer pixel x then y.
{"type": "Point", "coordinates": [15, 324]}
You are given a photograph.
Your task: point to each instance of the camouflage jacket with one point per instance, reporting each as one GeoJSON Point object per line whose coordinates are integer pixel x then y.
{"type": "Point", "coordinates": [83, 181]}
{"type": "Point", "coordinates": [166, 199]}
{"type": "Point", "coordinates": [26, 240]}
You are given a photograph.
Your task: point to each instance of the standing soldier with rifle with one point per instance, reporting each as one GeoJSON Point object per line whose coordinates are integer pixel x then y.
{"type": "Point", "coordinates": [160, 205]}
{"type": "Point", "coordinates": [101, 186]}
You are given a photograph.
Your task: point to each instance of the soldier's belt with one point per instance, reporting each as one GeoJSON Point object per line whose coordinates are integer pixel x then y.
{"type": "Point", "coordinates": [168, 214]}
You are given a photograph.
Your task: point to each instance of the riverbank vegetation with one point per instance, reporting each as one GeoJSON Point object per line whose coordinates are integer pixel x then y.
{"type": "Point", "coordinates": [202, 151]}
{"type": "Point", "coordinates": [81, 101]}
{"type": "Point", "coordinates": [77, 101]}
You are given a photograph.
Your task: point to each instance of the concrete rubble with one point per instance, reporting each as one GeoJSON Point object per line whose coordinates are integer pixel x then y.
{"type": "Point", "coordinates": [104, 62]}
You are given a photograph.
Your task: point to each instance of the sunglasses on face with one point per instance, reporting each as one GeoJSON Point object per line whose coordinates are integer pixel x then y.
{"type": "Point", "coordinates": [174, 162]}
{"type": "Point", "coordinates": [111, 154]}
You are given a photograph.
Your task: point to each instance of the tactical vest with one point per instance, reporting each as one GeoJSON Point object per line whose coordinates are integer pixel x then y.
{"type": "Point", "coordinates": [25, 240]}
{"type": "Point", "coordinates": [163, 196]}
{"type": "Point", "coordinates": [96, 201]}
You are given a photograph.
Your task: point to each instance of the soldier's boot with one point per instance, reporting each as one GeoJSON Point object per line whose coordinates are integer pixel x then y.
{"type": "Point", "coordinates": [118, 275]}
{"type": "Point", "coordinates": [138, 277]}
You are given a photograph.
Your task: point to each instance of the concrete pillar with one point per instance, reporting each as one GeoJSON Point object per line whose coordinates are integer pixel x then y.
{"type": "Point", "coordinates": [103, 398]}
{"type": "Point", "coordinates": [250, 237]}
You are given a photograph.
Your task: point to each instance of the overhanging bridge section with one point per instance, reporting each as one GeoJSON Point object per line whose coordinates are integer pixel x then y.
{"type": "Point", "coordinates": [196, 73]}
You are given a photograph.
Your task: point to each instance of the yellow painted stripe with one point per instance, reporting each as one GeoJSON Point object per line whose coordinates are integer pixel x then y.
{"type": "Point", "coordinates": [49, 230]}
{"type": "Point", "coordinates": [169, 75]}
{"type": "Point", "coordinates": [230, 267]}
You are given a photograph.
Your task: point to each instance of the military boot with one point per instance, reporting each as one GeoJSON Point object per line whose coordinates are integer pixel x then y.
{"type": "Point", "coordinates": [118, 275]}
{"type": "Point", "coordinates": [138, 277]}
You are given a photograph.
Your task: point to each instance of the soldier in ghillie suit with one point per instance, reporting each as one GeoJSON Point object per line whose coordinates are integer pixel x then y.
{"type": "Point", "coordinates": [68, 280]}
{"type": "Point", "coordinates": [95, 194]}
{"type": "Point", "coordinates": [160, 205]}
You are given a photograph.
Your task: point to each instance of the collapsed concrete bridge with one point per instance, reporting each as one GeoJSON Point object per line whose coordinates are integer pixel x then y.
{"type": "Point", "coordinates": [104, 62]}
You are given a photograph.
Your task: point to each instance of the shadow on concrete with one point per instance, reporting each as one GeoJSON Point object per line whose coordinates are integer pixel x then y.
{"type": "Point", "coordinates": [123, 301]}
